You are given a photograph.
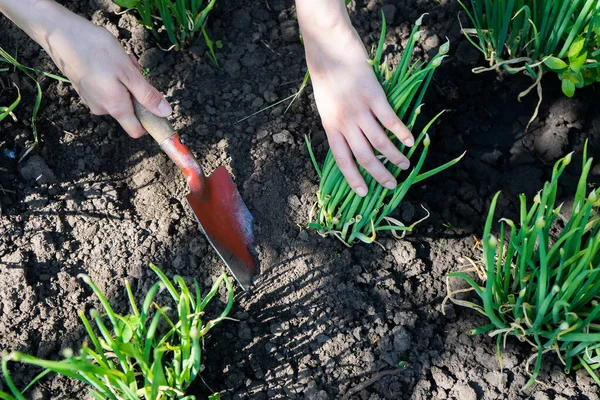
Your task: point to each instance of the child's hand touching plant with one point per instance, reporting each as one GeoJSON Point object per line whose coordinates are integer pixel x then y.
{"type": "Point", "coordinates": [349, 98]}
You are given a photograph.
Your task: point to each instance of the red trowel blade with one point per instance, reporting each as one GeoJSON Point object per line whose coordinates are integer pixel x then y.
{"type": "Point", "coordinates": [227, 224]}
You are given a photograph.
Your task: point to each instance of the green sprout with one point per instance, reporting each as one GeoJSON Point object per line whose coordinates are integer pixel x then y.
{"type": "Point", "coordinates": [183, 20]}
{"type": "Point", "coordinates": [5, 111]}
{"type": "Point", "coordinates": [349, 217]}
{"type": "Point", "coordinates": [145, 354]}
{"type": "Point", "coordinates": [541, 274]}
{"type": "Point", "coordinates": [6, 58]}
{"type": "Point", "coordinates": [536, 36]}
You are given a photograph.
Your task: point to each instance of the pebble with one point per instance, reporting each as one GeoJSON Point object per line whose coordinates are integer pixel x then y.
{"type": "Point", "coordinates": [289, 31]}
{"type": "Point", "coordinates": [283, 137]}
{"type": "Point", "coordinates": [262, 134]}
{"type": "Point", "coordinates": [491, 157]}
{"type": "Point", "coordinates": [35, 169]}
{"type": "Point", "coordinates": [431, 43]}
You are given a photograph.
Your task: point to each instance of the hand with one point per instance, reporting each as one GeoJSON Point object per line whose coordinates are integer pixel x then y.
{"type": "Point", "coordinates": [352, 105]}
{"type": "Point", "coordinates": [99, 69]}
{"type": "Point", "coordinates": [104, 75]}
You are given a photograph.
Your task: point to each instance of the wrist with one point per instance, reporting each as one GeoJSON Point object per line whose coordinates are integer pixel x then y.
{"type": "Point", "coordinates": [40, 19]}
{"type": "Point", "coordinates": [322, 16]}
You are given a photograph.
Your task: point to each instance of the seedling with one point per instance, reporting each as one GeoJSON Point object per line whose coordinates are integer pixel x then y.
{"type": "Point", "coordinates": [183, 20]}
{"type": "Point", "coordinates": [536, 36]}
{"type": "Point", "coordinates": [6, 58]}
{"type": "Point", "coordinates": [541, 276]}
{"type": "Point", "coordinates": [145, 354]}
{"type": "Point", "coordinates": [8, 110]}
{"type": "Point", "coordinates": [349, 217]}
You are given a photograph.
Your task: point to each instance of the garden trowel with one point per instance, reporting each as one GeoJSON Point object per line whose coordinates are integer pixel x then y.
{"type": "Point", "coordinates": [214, 200]}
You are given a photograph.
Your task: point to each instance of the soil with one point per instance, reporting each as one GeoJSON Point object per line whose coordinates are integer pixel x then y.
{"type": "Point", "coordinates": [322, 321]}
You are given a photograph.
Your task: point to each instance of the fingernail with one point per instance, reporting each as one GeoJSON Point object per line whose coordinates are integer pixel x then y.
{"type": "Point", "coordinates": [390, 185]}
{"type": "Point", "coordinates": [164, 108]}
{"type": "Point", "coordinates": [361, 191]}
{"type": "Point", "coordinates": [404, 165]}
{"type": "Point", "coordinates": [409, 142]}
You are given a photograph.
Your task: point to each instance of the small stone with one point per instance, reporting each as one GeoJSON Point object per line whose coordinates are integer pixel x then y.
{"type": "Point", "coordinates": [261, 134]}
{"type": "Point", "coordinates": [431, 44]}
{"type": "Point", "coordinates": [36, 170]}
{"type": "Point", "coordinates": [283, 137]}
{"type": "Point", "coordinates": [289, 31]}
{"type": "Point", "coordinates": [491, 157]}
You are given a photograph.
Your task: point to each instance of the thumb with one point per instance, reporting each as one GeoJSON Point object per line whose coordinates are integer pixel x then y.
{"type": "Point", "coordinates": [148, 96]}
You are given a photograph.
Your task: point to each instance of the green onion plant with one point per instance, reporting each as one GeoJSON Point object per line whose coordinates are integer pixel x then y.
{"type": "Point", "coordinates": [146, 354]}
{"type": "Point", "coordinates": [537, 36]}
{"type": "Point", "coordinates": [183, 20]}
{"type": "Point", "coordinates": [542, 276]}
{"type": "Point", "coordinates": [349, 217]}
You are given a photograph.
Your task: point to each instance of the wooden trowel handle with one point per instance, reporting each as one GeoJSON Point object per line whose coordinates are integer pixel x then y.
{"type": "Point", "coordinates": [162, 131]}
{"type": "Point", "coordinates": [160, 128]}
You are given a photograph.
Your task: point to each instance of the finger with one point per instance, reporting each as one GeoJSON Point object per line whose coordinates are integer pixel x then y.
{"type": "Point", "coordinates": [366, 158]}
{"type": "Point", "coordinates": [132, 126]}
{"type": "Point", "coordinates": [125, 116]}
{"type": "Point", "coordinates": [382, 142]}
{"type": "Point", "coordinates": [388, 118]}
{"type": "Point", "coordinates": [146, 94]}
{"type": "Point", "coordinates": [345, 162]}
{"type": "Point", "coordinates": [135, 62]}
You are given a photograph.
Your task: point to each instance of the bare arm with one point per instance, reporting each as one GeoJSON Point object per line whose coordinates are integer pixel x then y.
{"type": "Point", "coordinates": [351, 102]}
{"type": "Point", "coordinates": [97, 66]}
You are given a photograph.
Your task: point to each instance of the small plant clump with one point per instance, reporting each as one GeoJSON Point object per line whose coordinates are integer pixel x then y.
{"type": "Point", "coordinates": [538, 36]}
{"type": "Point", "coordinates": [33, 74]}
{"type": "Point", "coordinates": [541, 287]}
{"type": "Point", "coordinates": [349, 217]}
{"type": "Point", "coordinates": [183, 20]}
{"type": "Point", "coordinates": [145, 354]}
